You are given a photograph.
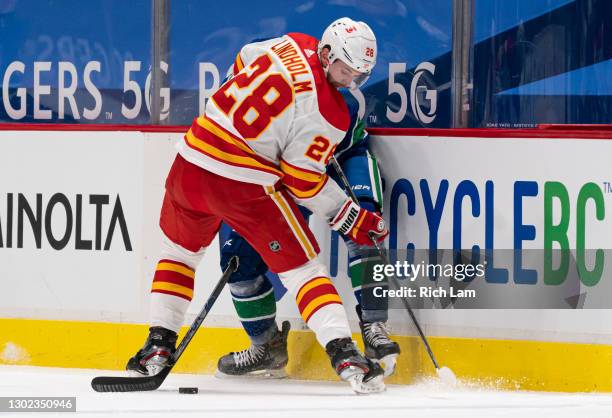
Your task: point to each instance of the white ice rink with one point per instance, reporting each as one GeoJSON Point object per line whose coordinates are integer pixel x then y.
{"type": "Point", "coordinates": [290, 398]}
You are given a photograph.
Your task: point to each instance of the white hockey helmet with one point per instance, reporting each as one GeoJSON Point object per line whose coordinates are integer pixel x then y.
{"type": "Point", "coordinates": [352, 42]}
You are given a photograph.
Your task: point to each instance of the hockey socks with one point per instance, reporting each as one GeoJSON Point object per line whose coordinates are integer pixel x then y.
{"type": "Point", "coordinates": [171, 293]}
{"type": "Point", "coordinates": [318, 301]}
{"type": "Point", "coordinates": [362, 260]}
{"type": "Point", "coordinates": [256, 307]}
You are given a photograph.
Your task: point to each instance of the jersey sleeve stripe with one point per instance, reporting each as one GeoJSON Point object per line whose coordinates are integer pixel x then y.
{"type": "Point", "coordinates": [300, 173]}
{"type": "Point", "coordinates": [216, 129]}
{"type": "Point", "coordinates": [222, 146]}
{"type": "Point", "coordinates": [226, 157]}
{"type": "Point", "coordinates": [305, 190]}
{"type": "Point", "coordinates": [302, 183]}
{"type": "Point", "coordinates": [204, 124]}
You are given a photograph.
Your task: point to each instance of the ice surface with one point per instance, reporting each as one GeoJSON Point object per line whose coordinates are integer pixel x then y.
{"type": "Point", "coordinates": [252, 398]}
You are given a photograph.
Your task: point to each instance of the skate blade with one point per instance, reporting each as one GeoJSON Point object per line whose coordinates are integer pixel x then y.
{"type": "Point", "coordinates": [259, 374]}
{"type": "Point", "coordinates": [388, 363]}
{"type": "Point", "coordinates": [154, 369]}
{"type": "Point", "coordinates": [375, 385]}
{"type": "Point", "coordinates": [354, 375]}
{"type": "Point", "coordinates": [156, 364]}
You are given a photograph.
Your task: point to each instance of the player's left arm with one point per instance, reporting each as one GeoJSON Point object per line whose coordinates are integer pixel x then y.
{"type": "Point", "coordinates": [360, 165]}
{"type": "Point", "coordinates": [363, 174]}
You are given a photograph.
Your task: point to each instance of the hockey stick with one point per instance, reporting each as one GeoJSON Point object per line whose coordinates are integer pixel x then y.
{"type": "Point", "coordinates": [444, 373]}
{"type": "Point", "coordinates": [135, 384]}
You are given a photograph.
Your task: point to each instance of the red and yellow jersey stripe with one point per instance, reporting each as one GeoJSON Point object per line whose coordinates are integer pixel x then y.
{"type": "Point", "coordinates": [310, 248]}
{"type": "Point", "coordinates": [300, 182]}
{"type": "Point", "coordinates": [315, 294]}
{"type": "Point", "coordinates": [174, 278]}
{"type": "Point", "coordinates": [214, 141]}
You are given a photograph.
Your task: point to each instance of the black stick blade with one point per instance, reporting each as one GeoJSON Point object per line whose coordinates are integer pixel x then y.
{"type": "Point", "coordinates": [137, 384]}
{"type": "Point", "coordinates": [129, 384]}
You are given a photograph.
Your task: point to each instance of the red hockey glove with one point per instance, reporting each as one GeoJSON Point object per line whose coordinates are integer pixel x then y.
{"type": "Point", "coordinates": [356, 223]}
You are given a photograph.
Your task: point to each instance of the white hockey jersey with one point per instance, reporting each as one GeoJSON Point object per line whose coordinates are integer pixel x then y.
{"type": "Point", "coordinates": [275, 123]}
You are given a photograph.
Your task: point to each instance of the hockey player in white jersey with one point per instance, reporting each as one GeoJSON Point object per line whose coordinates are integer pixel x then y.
{"type": "Point", "coordinates": [263, 145]}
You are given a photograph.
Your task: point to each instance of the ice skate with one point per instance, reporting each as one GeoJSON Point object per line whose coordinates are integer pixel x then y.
{"type": "Point", "coordinates": [154, 355]}
{"type": "Point", "coordinates": [264, 361]}
{"type": "Point", "coordinates": [378, 346]}
{"type": "Point", "coordinates": [363, 375]}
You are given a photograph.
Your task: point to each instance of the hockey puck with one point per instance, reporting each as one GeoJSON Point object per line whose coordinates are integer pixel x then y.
{"type": "Point", "coordinates": [188, 390]}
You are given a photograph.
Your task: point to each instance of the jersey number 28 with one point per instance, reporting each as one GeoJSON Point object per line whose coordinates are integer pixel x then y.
{"type": "Point", "coordinates": [252, 107]}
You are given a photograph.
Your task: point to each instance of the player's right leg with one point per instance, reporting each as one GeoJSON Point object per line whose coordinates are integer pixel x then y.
{"type": "Point", "coordinates": [171, 294]}
{"type": "Point", "coordinates": [187, 230]}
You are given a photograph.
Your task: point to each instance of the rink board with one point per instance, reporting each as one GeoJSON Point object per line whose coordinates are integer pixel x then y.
{"type": "Point", "coordinates": [491, 363]}
{"type": "Point", "coordinates": [80, 304]}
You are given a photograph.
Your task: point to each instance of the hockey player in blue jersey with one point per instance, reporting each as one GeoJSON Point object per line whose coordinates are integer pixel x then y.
{"type": "Point", "coordinates": [253, 294]}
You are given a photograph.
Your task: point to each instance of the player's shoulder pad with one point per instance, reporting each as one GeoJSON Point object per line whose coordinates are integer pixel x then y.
{"type": "Point", "coordinates": [331, 103]}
